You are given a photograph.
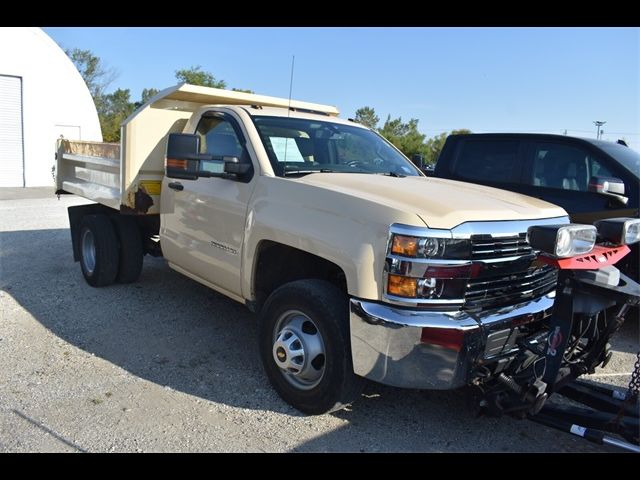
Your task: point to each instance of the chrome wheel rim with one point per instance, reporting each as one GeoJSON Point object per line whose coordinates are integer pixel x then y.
{"type": "Point", "coordinates": [88, 251]}
{"type": "Point", "coordinates": [298, 350]}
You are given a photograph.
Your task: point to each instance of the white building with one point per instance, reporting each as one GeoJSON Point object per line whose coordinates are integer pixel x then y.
{"type": "Point", "coordinates": [42, 96]}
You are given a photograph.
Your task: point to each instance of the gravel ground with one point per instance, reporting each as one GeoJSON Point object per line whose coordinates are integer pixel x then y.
{"type": "Point", "coordinates": [168, 365]}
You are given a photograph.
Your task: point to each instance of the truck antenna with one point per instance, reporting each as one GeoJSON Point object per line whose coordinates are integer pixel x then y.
{"type": "Point", "coordinates": [286, 141]}
{"type": "Point", "coordinates": [293, 61]}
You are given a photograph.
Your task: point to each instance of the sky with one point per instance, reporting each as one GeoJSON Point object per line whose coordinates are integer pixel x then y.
{"type": "Point", "coordinates": [484, 79]}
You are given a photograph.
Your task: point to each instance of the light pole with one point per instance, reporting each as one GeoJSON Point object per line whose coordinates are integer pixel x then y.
{"type": "Point", "coordinates": [598, 124]}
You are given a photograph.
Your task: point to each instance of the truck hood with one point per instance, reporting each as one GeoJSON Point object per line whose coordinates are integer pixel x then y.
{"type": "Point", "coordinates": [438, 202]}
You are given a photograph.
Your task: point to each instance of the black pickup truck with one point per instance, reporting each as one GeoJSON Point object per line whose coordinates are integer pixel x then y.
{"type": "Point", "coordinates": [591, 179]}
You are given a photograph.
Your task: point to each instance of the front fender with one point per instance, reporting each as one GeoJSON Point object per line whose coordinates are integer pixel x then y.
{"type": "Point", "coordinates": [344, 229]}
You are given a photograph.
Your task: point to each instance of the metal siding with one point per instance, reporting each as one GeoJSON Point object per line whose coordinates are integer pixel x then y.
{"type": "Point", "coordinates": [11, 144]}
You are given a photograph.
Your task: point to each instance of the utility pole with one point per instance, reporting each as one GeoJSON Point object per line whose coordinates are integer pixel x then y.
{"type": "Point", "coordinates": [598, 124]}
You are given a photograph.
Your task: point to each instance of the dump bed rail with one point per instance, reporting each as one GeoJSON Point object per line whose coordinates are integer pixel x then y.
{"type": "Point", "coordinates": [89, 169]}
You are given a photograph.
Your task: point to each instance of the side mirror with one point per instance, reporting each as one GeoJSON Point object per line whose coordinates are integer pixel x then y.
{"type": "Point", "coordinates": [610, 186]}
{"type": "Point", "coordinates": [183, 156]}
{"type": "Point", "coordinates": [184, 161]}
{"type": "Point", "coordinates": [418, 160]}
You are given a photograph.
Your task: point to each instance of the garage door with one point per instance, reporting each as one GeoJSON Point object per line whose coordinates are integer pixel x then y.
{"type": "Point", "coordinates": [11, 155]}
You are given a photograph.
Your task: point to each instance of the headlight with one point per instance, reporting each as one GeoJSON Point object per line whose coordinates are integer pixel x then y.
{"type": "Point", "coordinates": [429, 288]}
{"type": "Point", "coordinates": [619, 231]}
{"type": "Point", "coordinates": [430, 267]}
{"type": "Point", "coordinates": [429, 247]}
{"type": "Point", "coordinates": [562, 241]}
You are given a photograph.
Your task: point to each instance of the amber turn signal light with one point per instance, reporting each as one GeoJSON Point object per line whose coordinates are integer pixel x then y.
{"type": "Point", "coordinates": [173, 163]}
{"type": "Point", "coordinates": [402, 286]}
{"type": "Point", "coordinates": [405, 246]}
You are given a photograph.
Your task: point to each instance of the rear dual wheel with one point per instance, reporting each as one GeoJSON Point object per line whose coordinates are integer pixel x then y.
{"type": "Point", "coordinates": [99, 255]}
{"type": "Point", "coordinates": [110, 250]}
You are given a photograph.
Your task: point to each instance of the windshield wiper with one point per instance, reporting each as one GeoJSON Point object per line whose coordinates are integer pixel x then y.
{"type": "Point", "coordinates": [301, 171]}
{"type": "Point", "coordinates": [306, 171]}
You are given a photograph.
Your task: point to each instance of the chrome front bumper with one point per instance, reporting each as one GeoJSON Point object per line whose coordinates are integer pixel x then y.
{"type": "Point", "coordinates": [409, 348]}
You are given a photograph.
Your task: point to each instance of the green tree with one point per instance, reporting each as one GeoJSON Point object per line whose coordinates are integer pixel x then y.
{"type": "Point", "coordinates": [434, 145]}
{"type": "Point", "coordinates": [242, 90]}
{"type": "Point", "coordinates": [116, 108]}
{"type": "Point", "coordinates": [367, 117]}
{"type": "Point", "coordinates": [147, 93]}
{"type": "Point", "coordinates": [113, 108]}
{"type": "Point", "coordinates": [197, 76]}
{"type": "Point", "coordinates": [460, 131]}
{"type": "Point", "coordinates": [405, 136]}
{"type": "Point", "coordinates": [95, 74]}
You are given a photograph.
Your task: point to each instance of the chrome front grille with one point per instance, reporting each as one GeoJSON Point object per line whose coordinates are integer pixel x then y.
{"type": "Point", "coordinates": [511, 275]}
{"type": "Point", "coordinates": [507, 281]}
{"type": "Point", "coordinates": [502, 290]}
{"type": "Point", "coordinates": [488, 247]}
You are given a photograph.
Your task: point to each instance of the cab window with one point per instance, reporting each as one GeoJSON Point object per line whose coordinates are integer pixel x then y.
{"type": "Point", "coordinates": [565, 167]}
{"type": "Point", "coordinates": [218, 137]}
{"type": "Point", "coordinates": [488, 160]}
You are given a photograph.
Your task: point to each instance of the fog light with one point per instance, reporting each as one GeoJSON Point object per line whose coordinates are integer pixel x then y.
{"type": "Point", "coordinates": [562, 241]}
{"type": "Point", "coordinates": [619, 231]}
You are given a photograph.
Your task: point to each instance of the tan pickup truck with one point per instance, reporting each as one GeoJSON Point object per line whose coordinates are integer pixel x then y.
{"type": "Point", "coordinates": [359, 266]}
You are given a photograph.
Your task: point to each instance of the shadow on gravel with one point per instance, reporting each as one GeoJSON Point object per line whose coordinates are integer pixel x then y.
{"type": "Point", "coordinates": [174, 332]}
{"type": "Point", "coordinates": [166, 328]}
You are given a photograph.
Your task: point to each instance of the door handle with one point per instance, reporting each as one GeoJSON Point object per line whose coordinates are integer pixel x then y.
{"type": "Point", "coordinates": [176, 186]}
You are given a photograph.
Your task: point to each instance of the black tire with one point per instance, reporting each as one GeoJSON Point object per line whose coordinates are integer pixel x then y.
{"type": "Point", "coordinates": [131, 250]}
{"type": "Point", "coordinates": [98, 250]}
{"type": "Point", "coordinates": [327, 307]}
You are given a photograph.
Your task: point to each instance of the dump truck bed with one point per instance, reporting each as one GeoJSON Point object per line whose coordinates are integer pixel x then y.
{"type": "Point", "coordinates": [128, 176]}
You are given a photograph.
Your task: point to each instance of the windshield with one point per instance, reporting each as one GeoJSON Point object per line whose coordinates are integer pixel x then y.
{"type": "Point", "coordinates": [304, 146]}
{"type": "Point", "coordinates": [630, 159]}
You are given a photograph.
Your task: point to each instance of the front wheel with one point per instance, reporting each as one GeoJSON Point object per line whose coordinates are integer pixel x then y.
{"type": "Point", "coordinates": [305, 346]}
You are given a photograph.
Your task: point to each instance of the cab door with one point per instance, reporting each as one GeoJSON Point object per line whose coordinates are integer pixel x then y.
{"type": "Point", "coordinates": [203, 232]}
